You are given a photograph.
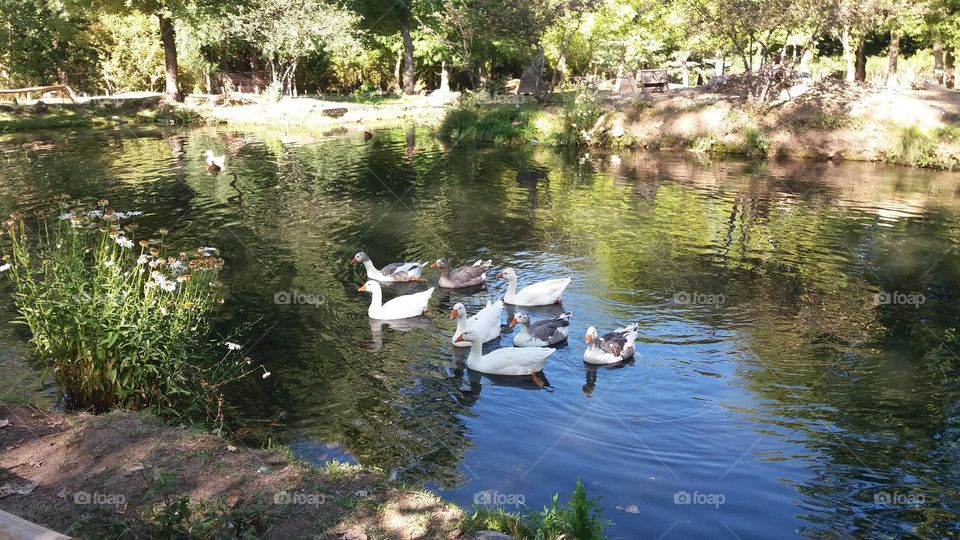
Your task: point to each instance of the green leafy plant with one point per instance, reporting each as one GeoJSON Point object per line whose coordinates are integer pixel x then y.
{"type": "Point", "coordinates": [580, 518]}
{"type": "Point", "coordinates": [757, 143]}
{"type": "Point", "coordinates": [502, 125]}
{"type": "Point", "coordinates": [579, 116]}
{"type": "Point", "coordinates": [118, 321]}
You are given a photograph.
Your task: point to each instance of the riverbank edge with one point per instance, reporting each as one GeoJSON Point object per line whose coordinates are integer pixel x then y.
{"type": "Point", "coordinates": [849, 123]}
{"type": "Point", "coordinates": [127, 472]}
{"type": "Point", "coordinates": [831, 122]}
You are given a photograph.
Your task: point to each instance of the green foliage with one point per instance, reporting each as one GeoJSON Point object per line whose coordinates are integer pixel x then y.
{"type": "Point", "coordinates": [757, 143]}
{"type": "Point", "coordinates": [118, 322]}
{"type": "Point", "coordinates": [915, 147]}
{"type": "Point", "coordinates": [128, 47]}
{"type": "Point", "coordinates": [175, 517]}
{"type": "Point", "coordinates": [580, 113]}
{"type": "Point", "coordinates": [580, 518]}
{"type": "Point", "coordinates": [501, 125]}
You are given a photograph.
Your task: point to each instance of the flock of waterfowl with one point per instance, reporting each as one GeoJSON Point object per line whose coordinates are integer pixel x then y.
{"type": "Point", "coordinates": [532, 344]}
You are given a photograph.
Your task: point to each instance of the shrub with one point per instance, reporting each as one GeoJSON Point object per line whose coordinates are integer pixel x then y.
{"type": "Point", "coordinates": [118, 322]}
{"type": "Point", "coordinates": [504, 125]}
{"type": "Point", "coordinates": [757, 143]}
{"type": "Point", "coordinates": [579, 116]}
{"type": "Point", "coordinates": [919, 148]}
{"type": "Point", "coordinates": [581, 517]}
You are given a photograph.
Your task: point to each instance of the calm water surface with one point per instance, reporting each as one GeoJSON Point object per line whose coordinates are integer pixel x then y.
{"type": "Point", "coordinates": [772, 394]}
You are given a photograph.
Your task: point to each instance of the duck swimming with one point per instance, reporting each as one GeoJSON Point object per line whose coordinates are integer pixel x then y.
{"type": "Point", "coordinates": [613, 347]}
{"type": "Point", "coordinates": [486, 322]}
{"type": "Point", "coordinates": [506, 361]}
{"type": "Point", "coordinates": [465, 276]}
{"type": "Point", "coordinates": [541, 293]}
{"type": "Point", "coordinates": [215, 164]}
{"type": "Point", "coordinates": [391, 273]}
{"type": "Point", "coordinates": [541, 333]}
{"type": "Point", "coordinates": [401, 307]}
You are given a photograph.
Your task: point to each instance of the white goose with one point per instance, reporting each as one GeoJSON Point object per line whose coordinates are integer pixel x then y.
{"type": "Point", "coordinates": [613, 347]}
{"type": "Point", "coordinates": [486, 322]}
{"type": "Point", "coordinates": [215, 164]}
{"type": "Point", "coordinates": [542, 293]}
{"type": "Point", "coordinates": [391, 273]}
{"type": "Point", "coordinates": [506, 361]}
{"type": "Point", "coordinates": [401, 307]}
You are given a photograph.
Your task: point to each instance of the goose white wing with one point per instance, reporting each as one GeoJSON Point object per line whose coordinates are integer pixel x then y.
{"type": "Point", "coordinates": [513, 361]}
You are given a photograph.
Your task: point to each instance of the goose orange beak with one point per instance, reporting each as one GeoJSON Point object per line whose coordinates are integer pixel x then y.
{"type": "Point", "coordinates": [514, 322]}
{"type": "Point", "coordinates": [354, 260]}
{"type": "Point", "coordinates": [499, 275]}
{"type": "Point", "coordinates": [434, 265]}
{"type": "Point", "coordinates": [589, 339]}
{"type": "Point", "coordinates": [454, 314]}
{"type": "Point", "coordinates": [459, 338]}
{"type": "Point", "coordinates": [363, 288]}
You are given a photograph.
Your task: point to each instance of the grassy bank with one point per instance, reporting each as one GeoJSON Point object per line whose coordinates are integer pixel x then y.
{"type": "Point", "coordinates": [826, 121]}
{"type": "Point", "coordinates": [86, 113]}
{"type": "Point", "coordinates": [130, 474]}
{"type": "Point", "coordinates": [323, 112]}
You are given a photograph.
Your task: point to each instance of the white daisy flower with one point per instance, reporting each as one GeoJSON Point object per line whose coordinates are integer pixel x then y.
{"type": "Point", "coordinates": [5, 267]}
{"type": "Point", "coordinates": [233, 346]}
{"type": "Point", "coordinates": [108, 263]}
{"type": "Point", "coordinates": [178, 266]}
{"type": "Point", "coordinates": [265, 374]}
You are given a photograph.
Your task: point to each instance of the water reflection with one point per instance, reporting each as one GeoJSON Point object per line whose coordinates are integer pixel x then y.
{"type": "Point", "coordinates": [780, 382]}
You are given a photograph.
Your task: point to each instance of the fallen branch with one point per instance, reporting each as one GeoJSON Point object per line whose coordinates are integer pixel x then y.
{"type": "Point", "coordinates": [62, 89]}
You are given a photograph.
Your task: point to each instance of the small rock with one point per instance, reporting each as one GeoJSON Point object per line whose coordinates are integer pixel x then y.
{"type": "Point", "coordinates": [263, 469]}
{"type": "Point", "coordinates": [491, 535]}
{"type": "Point", "coordinates": [4, 423]}
{"type": "Point", "coordinates": [362, 493]}
{"type": "Point", "coordinates": [135, 469]}
{"type": "Point", "coordinates": [231, 448]}
{"type": "Point", "coordinates": [215, 431]}
{"type": "Point", "coordinates": [16, 488]}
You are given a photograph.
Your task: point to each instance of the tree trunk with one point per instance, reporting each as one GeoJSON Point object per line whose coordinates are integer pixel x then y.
{"type": "Point", "coordinates": [408, 82]}
{"type": "Point", "coordinates": [950, 70]}
{"type": "Point", "coordinates": [848, 55]}
{"type": "Point", "coordinates": [861, 64]}
{"type": "Point", "coordinates": [169, 39]}
{"type": "Point", "coordinates": [937, 57]}
{"type": "Point", "coordinates": [398, 71]}
{"type": "Point", "coordinates": [893, 54]}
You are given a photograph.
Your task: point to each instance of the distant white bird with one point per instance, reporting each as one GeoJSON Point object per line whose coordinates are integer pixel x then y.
{"type": "Point", "coordinates": [215, 164]}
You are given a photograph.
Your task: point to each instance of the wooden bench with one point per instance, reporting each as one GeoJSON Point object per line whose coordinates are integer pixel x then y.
{"type": "Point", "coordinates": [653, 78]}
{"type": "Point", "coordinates": [15, 528]}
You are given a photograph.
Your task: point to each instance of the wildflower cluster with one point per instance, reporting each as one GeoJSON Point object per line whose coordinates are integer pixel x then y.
{"type": "Point", "coordinates": [118, 320]}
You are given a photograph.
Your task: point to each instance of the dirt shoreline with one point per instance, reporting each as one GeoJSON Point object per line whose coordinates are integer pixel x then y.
{"type": "Point", "coordinates": [829, 120]}
{"type": "Point", "coordinates": [125, 473]}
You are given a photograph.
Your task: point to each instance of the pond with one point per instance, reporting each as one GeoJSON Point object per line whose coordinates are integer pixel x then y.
{"type": "Point", "coordinates": [796, 371]}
